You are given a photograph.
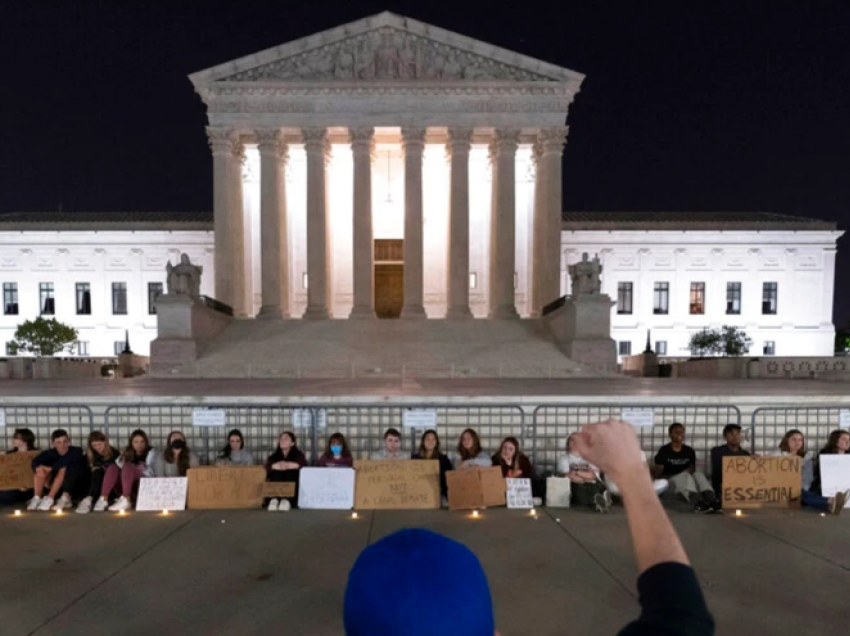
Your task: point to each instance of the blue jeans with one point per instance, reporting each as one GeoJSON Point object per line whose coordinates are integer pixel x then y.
{"type": "Point", "coordinates": [813, 500]}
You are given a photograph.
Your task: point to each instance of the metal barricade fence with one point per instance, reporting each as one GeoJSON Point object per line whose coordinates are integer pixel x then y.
{"type": "Point", "coordinates": [815, 422]}
{"type": "Point", "coordinates": [364, 426]}
{"type": "Point", "coordinates": [260, 425]}
{"type": "Point", "coordinates": [703, 427]}
{"type": "Point", "coordinates": [42, 420]}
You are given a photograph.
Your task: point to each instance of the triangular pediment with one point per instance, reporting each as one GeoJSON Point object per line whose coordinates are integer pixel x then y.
{"type": "Point", "coordinates": [386, 47]}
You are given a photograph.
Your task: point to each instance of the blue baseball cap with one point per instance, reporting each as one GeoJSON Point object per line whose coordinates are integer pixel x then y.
{"type": "Point", "coordinates": [417, 583]}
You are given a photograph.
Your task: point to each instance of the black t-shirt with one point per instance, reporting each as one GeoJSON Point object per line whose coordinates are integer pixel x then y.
{"type": "Point", "coordinates": [675, 462]}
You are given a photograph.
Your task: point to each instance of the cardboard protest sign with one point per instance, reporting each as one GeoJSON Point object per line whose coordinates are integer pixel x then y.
{"type": "Point", "coordinates": [761, 482]}
{"type": "Point", "coordinates": [16, 470]}
{"type": "Point", "coordinates": [162, 493]}
{"type": "Point", "coordinates": [212, 487]}
{"type": "Point", "coordinates": [834, 474]}
{"type": "Point", "coordinates": [518, 493]}
{"type": "Point", "coordinates": [471, 488]}
{"type": "Point", "coordinates": [388, 484]}
{"type": "Point", "coordinates": [558, 491]}
{"type": "Point", "coordinates": [278, 489]}
{"type": "Point", "coordinates": [326, 488]}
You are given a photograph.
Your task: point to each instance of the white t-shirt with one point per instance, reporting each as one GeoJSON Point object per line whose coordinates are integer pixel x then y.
{"type": "Point", "coordinates": [571, 461]}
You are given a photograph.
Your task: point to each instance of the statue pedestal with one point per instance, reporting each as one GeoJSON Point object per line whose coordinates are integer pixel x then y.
{"type": "Point", "coordinates": [183, 327]}
{"type": "Point", "coordinates": [582, 328]}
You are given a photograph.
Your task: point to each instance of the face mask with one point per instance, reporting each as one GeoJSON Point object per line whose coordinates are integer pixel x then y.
{"type": "Point", "coordinates": [336, 450]}
{"type": "Point", "coordinates": [178, 444]}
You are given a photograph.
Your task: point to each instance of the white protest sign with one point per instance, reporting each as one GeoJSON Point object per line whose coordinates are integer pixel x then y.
{"type": "Point", "coordinates": [2, 417]}
{"type": "Point", "coordinates": [844, 419]}
{"type": "Point", "coordinates": [519, 493]}
{"type": "Point", "coordinates": [303, 418]}
{"type": "Point", "coordinates": [419, 418]}
{"type": "Point", "coordinates": [326, 488]}
{"type": "Point", "coordinates": [208, 417]}
{"type": "Point", "coordinates": [558, 490]}
{"type": "Point", "coordinates": [834, 474]}
{"type": "Point", "coordinates": [638, 417]}
{"type": "Point", "coordinates": [162, 493]}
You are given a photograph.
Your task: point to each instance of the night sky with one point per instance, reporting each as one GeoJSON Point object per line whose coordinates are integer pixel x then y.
{"type": "Point", "coordinates": [735, 106]}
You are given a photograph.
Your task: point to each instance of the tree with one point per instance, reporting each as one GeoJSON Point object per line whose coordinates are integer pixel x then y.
{"type": "Point", "coordinates": [726, 341]}
{"type": "Point", "coordinates": [735, 342]}
{"type": "Point", "coordinates": [44, 337]}
{"type": "Point", "coordinates": [705, 343]}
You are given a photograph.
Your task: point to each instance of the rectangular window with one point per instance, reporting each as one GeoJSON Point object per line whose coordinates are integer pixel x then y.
{"type": "Point", "coordinates": [83, 299]}
{"type": "Point", "coordinates": [661, 299]}
{"type": "Point", "coordinates": [46, 303]}
{"type": "Point", "coordinates": [624, 298]}
{"type": "Point", "coordinates": [769, 348]}
{"type": "Point", "coordinates": [11, 349]}
{"type": "Point", "coordinates": [119, 299]}
{"type": "Point", "coordinates": [625, 348]}
{"type": "Point", "coordinates": [697, 298]}
{"type": "Point", "coordinates": [10, 299]}
{"type": "Point", "coordinates": [661, 347]}
{"type": "Point", "coordinates": [154, 292]}
{"type": "Point", "coordinates": [82, 348]}
{"type": "Point", "coordinates": [118, 347]}
{"type": "Point", "coordinates": [733, 298]}
{"type": "Point", "coordinates": [769, 297]}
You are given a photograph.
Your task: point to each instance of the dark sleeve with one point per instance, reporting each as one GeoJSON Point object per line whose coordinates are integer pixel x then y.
{"type": "Point", "coordinates": [661, 456]}
{"type": "Point", "coordinates": [692, 458]}
{"type": "Point", "coordinates": [526, 467]}
{"type": "Point", "coordinates": [301, 458]}
{"type": "Point", "coordinates": [716, 461]}
{"type": "Point", "coordinates": [40, 459]}
{"type": "Point", "coordinates": [321, 462]}
{"type": "Point", "coordinates": [671, 603]}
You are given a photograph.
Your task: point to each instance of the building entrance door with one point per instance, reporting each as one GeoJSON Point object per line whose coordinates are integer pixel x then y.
{"type": "Point", "coordinates": [389, 277]}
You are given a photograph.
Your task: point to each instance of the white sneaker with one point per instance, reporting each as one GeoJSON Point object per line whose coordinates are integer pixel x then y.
{"type": "Point", "coordinates": [660, 486]}
{"type": "Point", "coordinates": [85, 506]}
{"type": "Point", "coordinates": [284, 505]}
{"type": "Point", "coordinates": [64, 502]}
{"type": "Point", "coordinates": [45, 504]}
{"type": "Point", "coordinates": [273, 505]}
{"type": "Point", "coordinates": [122, 503]}
{"type": "Point", "coordinates": [101, 504]}
{"type": "Point", "coordinates": [32, 504]}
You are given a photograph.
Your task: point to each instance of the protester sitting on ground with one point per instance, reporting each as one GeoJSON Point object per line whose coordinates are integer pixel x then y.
{"type": "Point", "coordinates": [284, 465]}
{"type": "Point", "coordinates": [137, 461]}
{"type": "Point", "coordinates": [677, 462]}
{"type": "Point", "coordinates": [23, 440]}
{"type": "Point", "coordinates": [793, 443]}
{"type": "Point", "coordinates": [469, 452]}
{"type": "Point", "coordinates": [392, 446]}
{"type": "Point", "coordinates": [100, 456]}
{"type": "Point", "coordinates": [659, 485]}
{"type": "Point", "coordinates": [732, 448]}
{"type": "Point", "coordinates": [336, 453]}
{"type": "Point", "coordinates": [838, 443]}
{"type": "Point", "coordinates": [513, 463]}
{"type": "Point", "coordinates": [587, 487]}
{"type": "Point", "coordinates": [63, 469]}
{"type": "Point", "coordinates": [177, 457]}
{"type": "Point", "coordinates": [419, 568]}
{"type": "Point", "coordinates": [429, 448]}
{"type": "Point", "coordinates": [234, 452]}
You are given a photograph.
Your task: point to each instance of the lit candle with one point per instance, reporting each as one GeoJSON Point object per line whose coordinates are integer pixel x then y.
{"type": "Point", "coordinates": [475, 513]}
{"type": "Point", "coordinates": [533, 512]}
{"type": "Point", "coordinates": [165, 512]}
{"type": "Point", "coordinates": [354, 515]}
{"type": "Point", "coordinates": [17, 513]}
{"type": "Point", "coordinates": [122, 512]}
{"type": "Point", "coordinates": [737, 513]}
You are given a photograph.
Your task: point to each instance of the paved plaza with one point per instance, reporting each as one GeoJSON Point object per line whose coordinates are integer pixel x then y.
{"type": "Point", "coordinates": [254, 572]}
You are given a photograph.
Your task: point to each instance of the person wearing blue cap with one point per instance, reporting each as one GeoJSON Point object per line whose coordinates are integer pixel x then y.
{"type": "Point", "coordinates": [395, 578]}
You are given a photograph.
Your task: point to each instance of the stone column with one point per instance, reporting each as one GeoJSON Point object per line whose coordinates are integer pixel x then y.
{"type": "Point", "coordinates": [318, 150]}
{"type": "Point", "coordinates": [274, 252]}
{"type": "Point", "coordinates": [242, 305]}
{"type": "Point", "coordinates": [413, 144]}
{"type": "Point", "coordinates": [546, 259]}
{"type": "Point", "coordinates": [503, 224]}
{"type": "Point", "coordinates": [457, 296]}
{"type": "Point", "coordinates": [363, 261]}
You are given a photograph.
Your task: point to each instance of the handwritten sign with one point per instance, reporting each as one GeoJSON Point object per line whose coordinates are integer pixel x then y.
{"type": "Point", "coordinates": [476, 487]}
{"type": "Point", "coordinates": [279, 489]}
{"type": "Point", "coordinates": [162, 493]}
{"type": "Point", "coordinates": [303, 418]}
{"type": "Point", "coordinates": [519, 493]}
{"type": "Point", "coordinates": [16, 470]}
{"type": "Point", "coordinates": [835, 474]}
{"type": "Point", "coordinates": [638, 417]}
{"type": "Point", "coordinates": [761, 482]}
{"type": "Point", "coordinates": [419, 418]}
{"type": "Point", "coordinates": [213, 487]}
{"type": "Point", "coordinates": [558, 491]}
{"type": "Point", "coordinates": [388, 484]}
{"type": "Point", "coordinates": [844, 419]}
{"type": "Point", "coordinates": [326, 488]}
{"type": "Point", "coordinates": [208, 417]}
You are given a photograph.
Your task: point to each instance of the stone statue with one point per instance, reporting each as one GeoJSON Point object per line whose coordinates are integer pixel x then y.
{"type": "Point", "coordinates": [585, 276]}
{"type": "Point", "coordinates": [185, 278]}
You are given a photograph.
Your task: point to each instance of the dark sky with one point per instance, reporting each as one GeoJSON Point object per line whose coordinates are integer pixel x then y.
{"type": "Point", "coordinates": [741, 105]}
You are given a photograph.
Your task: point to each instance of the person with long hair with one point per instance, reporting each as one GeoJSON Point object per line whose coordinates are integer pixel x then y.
{"type": "Point", "coordinates": [838, 443]}
{"type": "Point", "coordinates": [234, 452]}
{"type": "Point", "coordinates": [23, 440]}
{"type": "Point", "coordinates": [336, 453]}
{"type": "Point", "coordinates": [586, 487]}
{"type": "Point", "coordinates": [100, 456]}
{"type": "Point", "coordinates": [469, 452]}
{"type": "Point", "coordinates": [138, 460]}
{"type": "Point", "coordinates": [177, 457]}
{"type": "Point", "coordinates": [62, 470]}
{"type": "Point", "coordinates": [514, 464]}
{"type": "Point", "coordinates": [793, 443]}
{"type": "Point", "coordinates": [284, 465]}
{"type": "Point", "coordinates": [429, 448]}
